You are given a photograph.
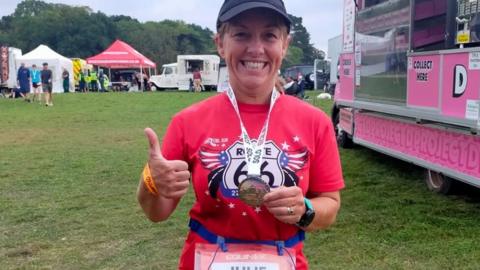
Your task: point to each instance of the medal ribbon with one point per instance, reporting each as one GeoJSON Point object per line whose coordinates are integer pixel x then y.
{"type": "Point", "coordinates": [253, 151]}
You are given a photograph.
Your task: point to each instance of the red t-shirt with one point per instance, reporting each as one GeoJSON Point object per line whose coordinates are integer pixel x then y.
{"type": "Point", "coordinates": [300, 149]}
{"type": "Point", "coordinates": [197, 75]}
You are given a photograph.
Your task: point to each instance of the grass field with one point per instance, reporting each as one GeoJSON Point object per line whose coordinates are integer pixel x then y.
{"type": "Point", "coordinates": [68, 177]}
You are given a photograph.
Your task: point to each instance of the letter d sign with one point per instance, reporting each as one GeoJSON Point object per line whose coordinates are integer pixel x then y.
{"type": "Point", "coordinates": [460, 81]}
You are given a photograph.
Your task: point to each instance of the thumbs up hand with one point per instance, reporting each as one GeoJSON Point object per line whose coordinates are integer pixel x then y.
{"type": "Point", "coordinates": [171, 177]}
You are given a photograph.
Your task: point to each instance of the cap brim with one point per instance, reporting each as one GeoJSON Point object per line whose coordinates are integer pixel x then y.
{"type": "Point", "coordinates": [251, 5]}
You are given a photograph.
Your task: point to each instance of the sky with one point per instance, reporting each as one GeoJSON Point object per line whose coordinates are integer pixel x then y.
{"type": "Point", "coordinates": [322, 18]}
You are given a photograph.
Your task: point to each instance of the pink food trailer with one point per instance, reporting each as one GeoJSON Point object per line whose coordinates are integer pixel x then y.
{"type": "Point", "coordinates": [409, 84]}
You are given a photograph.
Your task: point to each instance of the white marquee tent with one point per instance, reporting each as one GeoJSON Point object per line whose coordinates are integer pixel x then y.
{"type": "Point", "coordinates": [56, 63]}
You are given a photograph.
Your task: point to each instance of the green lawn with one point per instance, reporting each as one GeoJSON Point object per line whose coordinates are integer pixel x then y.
{"type": "Point", "coordinates": [68, 177]}
{"type": "Point", "coordinates": [386, 88]}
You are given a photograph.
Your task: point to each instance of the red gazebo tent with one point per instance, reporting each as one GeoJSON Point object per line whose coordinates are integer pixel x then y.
{"type": "Point", "coordinates": [121, 55]}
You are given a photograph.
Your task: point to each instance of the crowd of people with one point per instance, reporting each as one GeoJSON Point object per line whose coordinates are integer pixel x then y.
{"type": "Point", "coordinates": [40, 81]}
{"type": "Point", "coordinates": [90, 80]}
{"type": "Point", "coordinates": [33, 84]}
{"type": "Point", "coordinates": [36, 85]}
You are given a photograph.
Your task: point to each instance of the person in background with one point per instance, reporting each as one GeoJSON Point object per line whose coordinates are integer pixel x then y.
{"type": "Point", "coordinates": [290, 86]}
{"type": "Point", "coordinates": [88, 80]}
{"type": "Point", "coordinates": [93, 80]}
{"type": "Point", "coordinates": [145, 82]}
{"type": "Point", "coordinates": [23, 80]}
{"type": "Point", "coordinates": [138, 80]}
{"type": "Point", "coordinates": [191, 88]}
{"type": "Point", "coordinates": [301, 86]}
{"type": "Point", "coordinates": [101, 80]}
{"type": "Point", "coordinates": [106, 82]}
{"type": "Point", "coordinates": [36, 83]}
{"type": "Point", "coordinates": [264, 166]}
{"type": "Point", "coordinates": [197, 80]}
{"type": "Point", "coordinates": [47, 85]}
{"type": "Point", "coordinates": [66, 80]}
{"type": "Point", "coordinates": [82, 81]}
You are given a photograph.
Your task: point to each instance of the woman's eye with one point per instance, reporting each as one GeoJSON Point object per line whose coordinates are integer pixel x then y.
{"type": "Point", "coordinates": [240, 34]}
{"type": "Point", "coordinates": [271, 35]}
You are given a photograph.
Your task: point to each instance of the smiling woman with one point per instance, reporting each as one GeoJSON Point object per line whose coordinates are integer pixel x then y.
{"type": "Point", "coordinates": [255, 186]}
{"type": "Point", "coordinates": [253, 48]}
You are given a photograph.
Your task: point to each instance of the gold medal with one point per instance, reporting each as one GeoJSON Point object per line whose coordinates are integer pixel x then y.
{"type": "Point", "coordinates": [252, 190]}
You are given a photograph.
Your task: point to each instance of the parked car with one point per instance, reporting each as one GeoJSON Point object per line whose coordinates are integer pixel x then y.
{"type": "Point", "coordinates": [305, 70]}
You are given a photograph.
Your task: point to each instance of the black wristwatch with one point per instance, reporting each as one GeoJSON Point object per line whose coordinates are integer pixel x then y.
{"type": "Point", "coordinates": [308, 216]}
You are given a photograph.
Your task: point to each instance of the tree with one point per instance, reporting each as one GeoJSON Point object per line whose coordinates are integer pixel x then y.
{"type": "Point", "coordinates": [72, 31]}
{"type": "Point", "coordinates": [30, 8]}
{"type": "Point", "coordinates": [80, 32]}
{"type": "Point", "coordinates": [294, 56]}
{"type": "Point", "coordinates": [301, 40]}
{"type": "Point", "coordinates": [77, 31]}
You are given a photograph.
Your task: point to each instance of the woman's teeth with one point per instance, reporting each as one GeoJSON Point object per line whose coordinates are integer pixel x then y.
{"type": "Point", "coordinates": [254, 65]}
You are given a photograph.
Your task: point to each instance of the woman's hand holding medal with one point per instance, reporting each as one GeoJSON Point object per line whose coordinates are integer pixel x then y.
{"type": "Point", "coordinates": [285, 204]}
{"type": "Point", "coordinates": [171, 177]}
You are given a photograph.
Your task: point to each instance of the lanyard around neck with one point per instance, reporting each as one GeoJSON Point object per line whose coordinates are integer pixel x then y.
{"type": "Point", "coordinates": [253, 150]}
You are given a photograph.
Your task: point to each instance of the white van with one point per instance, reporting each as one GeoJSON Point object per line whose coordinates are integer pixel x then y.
{"type": "Point", "coordinates": [180, 75]}
{"type": "Point", "coordinates": [167, 79]}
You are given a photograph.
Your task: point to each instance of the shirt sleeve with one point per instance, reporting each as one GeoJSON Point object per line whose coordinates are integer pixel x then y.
{"type": "Point", "coordinates": [326, 169]}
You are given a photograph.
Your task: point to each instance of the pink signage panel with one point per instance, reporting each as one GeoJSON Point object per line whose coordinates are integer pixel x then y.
{"type": "Point", "coordinates": [345, 88]}
{"type": "Point", "coordinates": [460, 83]}
{"type": "Point", "coordinates": [424, 81]}
{"type": "Point", "coordinates": [346, 120]}
{"type": "Point", "coordinates": [455, 151]}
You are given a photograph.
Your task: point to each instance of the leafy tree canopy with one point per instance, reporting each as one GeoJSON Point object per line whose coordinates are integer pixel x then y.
{"type": "Point", "coordinates": [301, 40]}
{"type": "Point", "coordinates": [78, 31]}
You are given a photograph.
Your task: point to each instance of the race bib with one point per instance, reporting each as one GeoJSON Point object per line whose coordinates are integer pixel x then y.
{"type": "Point", "coordinates": [243, 257]}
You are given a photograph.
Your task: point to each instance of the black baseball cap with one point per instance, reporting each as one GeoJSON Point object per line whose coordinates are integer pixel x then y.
{"type": "Point", "coordinates": [232, 8]}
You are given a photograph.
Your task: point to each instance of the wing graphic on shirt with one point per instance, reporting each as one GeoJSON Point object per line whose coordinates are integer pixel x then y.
{"type": "Point", "coordinates": [215, 161]}
{"type": "Point", "coordinates": [292, 161]}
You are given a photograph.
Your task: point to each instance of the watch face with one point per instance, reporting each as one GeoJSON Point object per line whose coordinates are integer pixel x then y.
{"type": "Point", "coordinates": [308, 216]}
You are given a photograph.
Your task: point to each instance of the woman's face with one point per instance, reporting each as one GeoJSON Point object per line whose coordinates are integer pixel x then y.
{"type": "Point", "coordinates": [253, 47]}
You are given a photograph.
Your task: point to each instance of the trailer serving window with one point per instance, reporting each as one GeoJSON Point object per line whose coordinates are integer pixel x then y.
{"type": "Point", "coordinates": [382, 42]}
{"type": "Point", "coordinates": [432, 27]}
{"type": "Point", "coordinates": [191, 65]}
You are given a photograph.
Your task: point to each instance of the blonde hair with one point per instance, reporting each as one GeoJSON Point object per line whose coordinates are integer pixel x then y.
{"type": "Point", "coordinates": [279, 83]}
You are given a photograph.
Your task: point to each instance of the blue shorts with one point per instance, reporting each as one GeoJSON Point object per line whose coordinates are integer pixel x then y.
{"type": "Point", "coordinates": [24, 88]}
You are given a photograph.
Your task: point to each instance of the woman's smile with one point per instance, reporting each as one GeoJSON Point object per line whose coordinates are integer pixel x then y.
{"type": "Point", "coordinates": [253, 65]}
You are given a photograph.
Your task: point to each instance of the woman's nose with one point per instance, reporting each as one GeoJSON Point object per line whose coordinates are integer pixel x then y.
{"type": "Point", "coordinates": [256, 46]}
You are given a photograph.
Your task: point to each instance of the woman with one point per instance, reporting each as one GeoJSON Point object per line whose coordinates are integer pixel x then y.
{"type": "Point", "coordinates": [66, 81]}
{"type": "Point", "coordinates": [83, 81]}
{"type": "Point", "coordinates": [298, 161]}
{"type": "Point", "coordinates": [197, 80]}
{"type": "Point", "coordinates": [36, 83]}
